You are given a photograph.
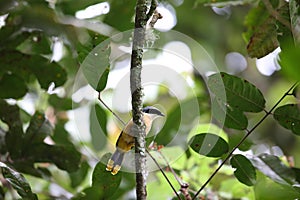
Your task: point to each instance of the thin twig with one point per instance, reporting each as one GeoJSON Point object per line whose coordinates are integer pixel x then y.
{"type": "Point", "coordinates": [242, 140]}
{"type": "Point", "coordinates": [162, 171]}
{"type": "Point", "coordinates": [172, 170]}
{"type": "Point", "coordinates": [183, 186]}
{"type": "Point", "coordinates": [152, 9]}
{"type": "Point", "coordinates": [108, 108]}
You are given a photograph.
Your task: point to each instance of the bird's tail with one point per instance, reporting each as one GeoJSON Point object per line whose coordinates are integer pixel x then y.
{"type": "Point", "coordinates": [114, 163]}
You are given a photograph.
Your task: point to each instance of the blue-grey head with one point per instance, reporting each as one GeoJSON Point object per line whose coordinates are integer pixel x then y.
{"type": "Point", "coordinates": [153, 111]}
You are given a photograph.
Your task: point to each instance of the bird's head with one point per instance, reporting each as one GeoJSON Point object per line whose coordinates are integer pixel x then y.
{"type": "Point", "coordinates": [153, 112]}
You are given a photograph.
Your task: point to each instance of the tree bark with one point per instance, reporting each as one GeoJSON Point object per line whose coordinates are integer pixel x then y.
{"type": "Point", "coordinates": [137, 96]}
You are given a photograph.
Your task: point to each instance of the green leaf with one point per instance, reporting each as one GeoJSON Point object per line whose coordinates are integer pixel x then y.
{"type": "Point", "coordinates": [170, 128]}
{"type": "Point", "coordinates": [11, 36]}
{"type": "Point", "coordinates": [70, 7]}
{"type": "Point", "coordinates": [255, 17]}
{"type": "Point", "coordinates": [234, 188]}
{"type": "Point", "coordinates": [103, 180]}
{"type": "Point", "coordinates": [25, 116]}
{"type": "Point", "coordinates": [289, 59]}
{"type": "Point", "coordinates": [64, 157]}
{"type": "Point", "coordinates": [47, 72]}
{"type": "Point", "coordinates": [28, 167]}
{"type": "Point", "coordinates": [209, 145]}
{"type": "Point", "coordinates": [85, 48]}
{"type": "Point", "coordinates": [284, 33]}
{"type": "Point", "coordinates": [60, 135]}
{"type": "Point", "coordinates": [208, 128]}
{"type": "Point", "coordinates": [295, 19]}
{"type": "Point", "coordinates": [261, 34]}
{"type": "Point", "coordinates": [78, 176]}
{"type": "Point", "coordinates": [37, 43]}
{"type": "Point", "coordinates": [98, 123]}
{"type": "Point", "coordinates": [39, 128]}
{"type": "Point", "coordinates": [267, 189]}
{"type": "Point", "coordinates": [96, 64]}
{"type": "Point", "coordinates": [24, 65]}
{"type": "Point", "coordinates": [103, 80]}
{"type": "Point", "coordinates": [60, 103]}
{"type": "Point", "coordinates": [3, 148]}
{"type": "Point", "coordinates": [10, 114]}
{"type": "Point", "coordinates": [120, 16]}
{"type": "Point", "coordinates": [5, 6]}
{"type": "Point", "coordinates": [272, 167]}
{"type": "Point", "coordinates": [297, 188]}
{"type": "Point", "coordinates": [179, 123]}
{"type": "Point", "coordinates": [288, 116]}
{"type": "Point", "coordinates": [296, 92]}
{"type": "Point", "coordinates": [18, 182]}
{"type": "Point", "coordinates": [16, 63]}
{"type": "Point", "coordinates": [89, 193]}
{"type": "Point", "coordinates": [228, 116]}
{"type": "Point", "coordinates": [234, 139]}
{"type": "Point", "coordinates": [12, 86]}
{"type": "Point", "coordinates": [160, 189]}
{"type": "Point", "coordinates": [2, 193]}
{"type": "Point", "coordinates": [245, 172]}
{"type": "Point", "coordinates": [264, 40]}
{"type": "Point", "coordinates": [41, 17]}
{"type": "Point", "coordinates": [236, 92]}
{"type": "Point", "coordinates": [297, 173]}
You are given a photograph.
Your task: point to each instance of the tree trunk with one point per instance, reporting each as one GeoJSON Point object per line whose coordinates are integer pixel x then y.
{"type": "Point", "coordinates": [137, 96]}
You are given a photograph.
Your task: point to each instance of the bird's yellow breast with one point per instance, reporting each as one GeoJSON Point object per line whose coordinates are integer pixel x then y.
{"type": "Point", "coordinates": [126, 141]}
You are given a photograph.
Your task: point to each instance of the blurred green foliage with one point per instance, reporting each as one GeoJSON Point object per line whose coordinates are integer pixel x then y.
{"type": "Point", "coordinates": [37, 100]}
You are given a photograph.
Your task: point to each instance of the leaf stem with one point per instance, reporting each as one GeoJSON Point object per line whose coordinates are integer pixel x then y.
{"type": "Point", "coordinates": [183, 186]}
{"type": "Point", "coordinates": [243, 139]}
{"type": "Point", "coordinates": [110, 110]}
{"type": "Point", "coordinates": [164, 174]}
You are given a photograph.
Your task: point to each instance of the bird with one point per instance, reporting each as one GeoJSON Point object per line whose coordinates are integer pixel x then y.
{"type": "Point", "coordinates": [126, 139]}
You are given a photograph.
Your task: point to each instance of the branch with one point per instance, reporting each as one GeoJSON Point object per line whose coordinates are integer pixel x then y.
{"type": "Point", "coordinates": [110, 110]}
{"type": "Point", "coordinates": [164, 174]}
{"type": "Point", "coordinates": [137, 95]}
{"type": "Point", "coordinates": [183, 186]}
{"type": "Point", "coordinates": [243, 139]}
{"type": "Point", "coordinates": [152, 9]}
